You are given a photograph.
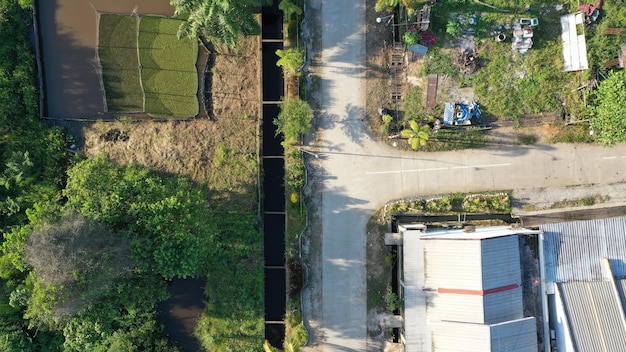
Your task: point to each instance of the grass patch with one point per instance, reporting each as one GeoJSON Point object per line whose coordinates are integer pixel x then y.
{"type": "Point", "coordinates": [167, 52]}
{"type": "Point", "coordinates": [572, 134]}
{"type": "Point", "coordinates": [580, 202]}
{"type": "Point", "coordinates": [117, 31]}
{"type": "Point", "coordinates": [159, 25]}
{"type": "Point", "coordinates": [233, 318]}
{"type": "Point", "coordinates": [455, 139]}
{"type": "Point", "coordinates": [123, 93]}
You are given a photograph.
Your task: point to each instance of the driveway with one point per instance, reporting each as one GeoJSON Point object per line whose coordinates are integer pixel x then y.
{"type": "Point", "coordinates": [354, 176]}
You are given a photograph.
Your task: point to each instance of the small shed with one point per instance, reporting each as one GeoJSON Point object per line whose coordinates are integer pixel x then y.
{"type": "Point", "coordinates": [574, 45]}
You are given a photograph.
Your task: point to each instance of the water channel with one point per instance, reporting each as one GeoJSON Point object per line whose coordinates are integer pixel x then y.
{"type": "Point", "coordinates": [273, 171]}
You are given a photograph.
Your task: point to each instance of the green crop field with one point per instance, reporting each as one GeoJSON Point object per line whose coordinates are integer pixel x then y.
{"type": "Point", "coordinates": [117, 49]}
{"type": "Point", "coordinates": [154, 59]}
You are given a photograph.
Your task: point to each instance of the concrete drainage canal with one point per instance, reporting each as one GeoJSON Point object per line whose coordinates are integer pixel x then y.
{"type": "Point", "coordinates": [273, 171]}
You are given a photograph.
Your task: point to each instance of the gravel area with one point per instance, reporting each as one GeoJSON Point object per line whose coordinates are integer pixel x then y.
{"type": "Point", "coordinates": [530, 201]}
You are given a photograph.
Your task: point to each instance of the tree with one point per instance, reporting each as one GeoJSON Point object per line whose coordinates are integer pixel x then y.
{"type": "Point", "coordinates": [294, 119]}
{"type": "Point", "coordinates": [418, 136]}
{"type": "Point", "coordinates": [608, 117]}
{"type": "Point", "coordinates": [387, 5]}
{"type": "Point", "coordinates": [289, 8]}
{"type": "Point", "coordinates": [74, 262]}
{"type": "Point", "coordinates": [220, 20]}
{"type": "Point", "coordinates": [169, 220]}
{"type": "Point", "coordinates": [290, 60]}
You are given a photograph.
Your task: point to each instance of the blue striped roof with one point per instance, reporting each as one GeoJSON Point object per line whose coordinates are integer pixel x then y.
{"type": "Point", "coordinates": [574, 251]}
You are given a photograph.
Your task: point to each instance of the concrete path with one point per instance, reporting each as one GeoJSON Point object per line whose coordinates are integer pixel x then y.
{"type": "Point", "coordinates": [356, 176]}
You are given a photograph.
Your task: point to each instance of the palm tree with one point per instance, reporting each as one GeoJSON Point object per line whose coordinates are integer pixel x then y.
{"type": "Point", "coordinates": [388, 5]}
{"type": "Point", "coordinates": [418, 136]}
{"type": "Point", "coordinates": [289, 8]}
{"type": "Point", "coordinates": [220, 20]}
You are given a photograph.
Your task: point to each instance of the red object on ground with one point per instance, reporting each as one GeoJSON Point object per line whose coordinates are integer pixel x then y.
{"type": "Point", "coordinates": [428, 38]}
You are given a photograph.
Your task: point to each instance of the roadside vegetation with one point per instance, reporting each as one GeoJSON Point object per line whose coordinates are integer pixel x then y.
{"type": "Point", "coordinates": [293, 121]}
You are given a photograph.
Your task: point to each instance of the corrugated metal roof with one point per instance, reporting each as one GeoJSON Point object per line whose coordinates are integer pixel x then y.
{"type": "Point", "coordinates": [512, 336]}
{"type": "Point", "coordinates": [574, 251]}
{"type": "Point", "coordinates": [480, 234]}
{"type": "Point", "coordinates": [474, 265]}
{"type": "Point", "coordinates": [415, 327]}
{"type": "Point", "coordinates": [594, 315]}
{"type": "Point", "coordinates": [500, 262]}
{"type": "Point", "coordinates": [574, 45]}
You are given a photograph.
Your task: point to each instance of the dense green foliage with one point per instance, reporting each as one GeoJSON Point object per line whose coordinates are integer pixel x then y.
{"type": "Point", "coordinates": [294, 120]}
{"type": "Point", "coordinates": [76, 272]}
{"type": "Point", "coordinates": [169, 220]}
{"type": "Point", "coordinates": [608, 117]}
{"type": "Point", "coordinates": [32, 157]}
{"type": "Point", "coordinates": [222, 21]}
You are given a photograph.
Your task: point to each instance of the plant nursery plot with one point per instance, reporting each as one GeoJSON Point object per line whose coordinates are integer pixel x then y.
{"type": "Point", "coordinates": [168, 82]}
{"type": "Point", "coordinates": [168, 68]}
{"type": "Point", "coordinates": [116, 58]}
{"type": "Point", "coordinates": [117, 51]}
{"type": "Point", "coordinates": [172, 105]}
{"type": "Point", "coordinates": [117, 31]}
{"type": "Point", "coordinates": [159, 25]}
{"type": "Point", "coordinates": [166, 51]}
{"type": "Point", "coordinates": [123, 92]}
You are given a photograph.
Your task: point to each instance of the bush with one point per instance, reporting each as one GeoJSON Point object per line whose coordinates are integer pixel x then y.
{"type": "Point", "coordinates": [294, 120]}
{"type": "Point", "coordinates": [410, 38]}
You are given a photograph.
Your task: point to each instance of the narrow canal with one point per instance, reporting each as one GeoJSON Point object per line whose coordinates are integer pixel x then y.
{"type": "Point", "coordinates": [273, 171]}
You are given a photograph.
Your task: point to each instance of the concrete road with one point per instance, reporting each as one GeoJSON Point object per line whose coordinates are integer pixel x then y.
{"type": "Point", "coordinates": [357, 176]}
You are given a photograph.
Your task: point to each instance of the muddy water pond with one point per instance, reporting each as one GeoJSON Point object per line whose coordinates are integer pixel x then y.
{"type": "Point", "coordinates": [181, 311]}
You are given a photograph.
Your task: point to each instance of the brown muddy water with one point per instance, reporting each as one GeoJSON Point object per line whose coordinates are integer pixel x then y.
{"type": "Point", "coordinates": [69, 34]}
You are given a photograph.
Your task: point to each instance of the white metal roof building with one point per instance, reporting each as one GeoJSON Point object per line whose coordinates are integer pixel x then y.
{"type": "Point", "coordinates": [574, 45]}
{"type": "Point", "coordinates": [462, 291]}
{"type": "Point", "coordinates": [584, 265]}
